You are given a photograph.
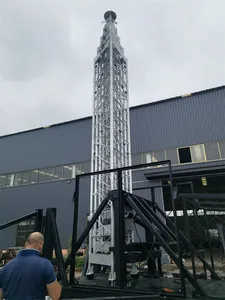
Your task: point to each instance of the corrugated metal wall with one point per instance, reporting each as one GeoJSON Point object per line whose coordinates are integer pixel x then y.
{"type": "Point", "coordinates": [180, 122]}
{"type": "Point", "coordinates": [52, 146]}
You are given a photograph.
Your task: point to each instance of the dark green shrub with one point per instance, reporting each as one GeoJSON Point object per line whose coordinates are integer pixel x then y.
{"type": "Point", "coordinates": [79, 262]}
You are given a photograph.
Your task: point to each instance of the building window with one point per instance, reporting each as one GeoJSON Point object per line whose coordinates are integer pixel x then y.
{"type": "Point", "coordinates": [222, 149]}
{"type": "Point", "coordinates": [34, 176]}
{"type": "Point", "coordinates": [18, 179]}
{"type": "Point", "coordinates": [68, 171]}
{"type": "Point", "coordinates": [191, 154]}
{"type": "Point", "coordinates": [197, 153]}
{"type": "Point", "coordinates": [26, 177]}
{"type": "Point", "coordinates": [171, 154]}
{"type": "Point", "coordinates": [212, 151]}
{"type": "Point", "coordinates": [154, 156]}
{"type": "Point", "coordinates": [50, 174]}
{"type": "Point", "coordinates": [78, 169]}
{"type": "Point", "coordinates": [2, 181]}
{"type": "Point", "coordinates": [58, 173]}
{"type": "Point", "coordinates": [184, 155]}
{"type": "Point", "coordinates": [9, 180]}
{"type": "Point", "coordinates": [42, 176]}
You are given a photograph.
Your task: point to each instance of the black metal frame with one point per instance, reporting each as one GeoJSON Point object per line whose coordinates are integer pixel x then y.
{"type": "Point", "coordinates": [38, 219]}
{"type": "Point", "coordinates": [52, 241]}
{"type": "Point", "coordinates": [192, 196]}
{"type": "Point", "coordinates": [193, 199]}
{"type": "Point", "coordinates": [102, 292]}
{"type": "Point", "coordinates": [47, 225]}
{"type": "Point", "coordinates": [118, 198]}
{"type": "Point", "coordinates": [119, 209]}
{"type": "Point", "coordinates": [147, 214]}
{"type": "Point", "coordinates": [38, 215]}
{"type": "Point", "coordinates": [152, 188]}
{"type": "Point", "coordinates": [196, 202]}
{"type": "Point", "coordinates": [72, 257]}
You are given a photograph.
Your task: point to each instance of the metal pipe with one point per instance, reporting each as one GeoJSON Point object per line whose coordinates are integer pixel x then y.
{"type": "Point", "coordinates": [58, 248]}
{"type": "Point", "coordinates": [48, 236]}
{"type": "Point", "coordinates": [188, 230]}
{"type": "Point", "coordinates": [87, 229]}
{"type": "Point", "coordinates": [38, 220]}
{"type": "Point", "coordinates": [166, 247]}
{"type": "Point", "coordinates": [18, 220]}
{"type": "Point", "coordinates": [150, 187]}
{"type": "Point", "coordinates": [157, 219]}
{"type": "Point", "coordinates": [161, 176]}
{"type": "Point", "coordinates": [183, 287]}
{"type": "Point", "coordinates": [74, 234]}
{"type": "Point", "coordinates": [184, 239]}
{"type": "Point", "coordinates": [203, 196]}
{"type": "Point", "coordinates": [207, 232]}
{"type": "Point", "coordinates": [134, 167]}
{"type": "Point", "coordinates": [119, 233]}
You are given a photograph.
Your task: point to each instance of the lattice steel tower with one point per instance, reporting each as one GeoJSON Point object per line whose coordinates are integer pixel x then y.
{"type": "Point", "coordinates": [110, 140]}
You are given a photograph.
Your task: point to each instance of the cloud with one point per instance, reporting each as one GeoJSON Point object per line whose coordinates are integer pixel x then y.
{"type": "Point", "coordinates": [47, 49]}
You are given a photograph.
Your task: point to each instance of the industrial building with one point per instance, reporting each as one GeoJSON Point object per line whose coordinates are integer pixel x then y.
{"type": "Point", "coordinates": [38, 167]}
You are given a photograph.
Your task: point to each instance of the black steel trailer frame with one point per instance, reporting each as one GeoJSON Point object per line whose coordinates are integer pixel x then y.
{"type": "Point", "coordinates": [118, 199]}
{"type": "Point", "coordinates": [147, 214]}
{"type": "Point", "coordinates": [119, 218]}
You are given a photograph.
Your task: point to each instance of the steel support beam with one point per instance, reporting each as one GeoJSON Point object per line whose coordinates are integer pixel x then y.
{"type": "Point", "coordinates": [48, 234]}
{"type": "Point", "coordinates": [38, 220]}
{"type": "Point", "coordinates": [18, 220]}
{"type": "Point", "coordinates": [87, 230]}
{"type": "Point", "coordinates": [146, 219]}
{"type": "Point", "coordinates": [74, 233]}
{"type": "Point", "coordinates": [120, 265]}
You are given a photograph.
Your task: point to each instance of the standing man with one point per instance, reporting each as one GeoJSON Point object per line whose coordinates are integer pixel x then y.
{"type": "Point", "coordinates": [28, 276]}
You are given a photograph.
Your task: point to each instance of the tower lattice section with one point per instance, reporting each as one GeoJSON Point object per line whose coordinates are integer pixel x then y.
{"type": "Point", "coordinates": [110, 140]}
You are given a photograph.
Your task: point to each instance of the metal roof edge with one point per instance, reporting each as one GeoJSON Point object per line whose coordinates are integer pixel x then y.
{"type": "Point", "coordinates": [179, 97]}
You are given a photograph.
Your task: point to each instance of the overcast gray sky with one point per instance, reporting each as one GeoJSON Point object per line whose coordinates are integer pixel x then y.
{"type": "Point", "coordinates": [47, 47]}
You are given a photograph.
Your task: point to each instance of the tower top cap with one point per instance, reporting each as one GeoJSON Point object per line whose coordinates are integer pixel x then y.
{"type": "Point", "coordinates": [110, 15]}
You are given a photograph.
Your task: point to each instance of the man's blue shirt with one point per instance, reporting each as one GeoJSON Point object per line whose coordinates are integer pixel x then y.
{"type": "Point", "coordinates": [26, 276]}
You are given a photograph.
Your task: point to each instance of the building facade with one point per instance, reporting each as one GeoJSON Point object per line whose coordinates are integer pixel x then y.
{"type": "Point", "coordinates": [38, 167]}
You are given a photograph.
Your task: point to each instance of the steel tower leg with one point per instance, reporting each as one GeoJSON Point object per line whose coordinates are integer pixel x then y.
{"type": "Point", "coordinates": [110, 141]}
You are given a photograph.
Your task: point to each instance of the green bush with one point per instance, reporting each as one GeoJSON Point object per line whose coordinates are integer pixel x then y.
{"type": "Point", "coordinates": [69, 244]}
{"type": "Point", "coordinates": [79, 259]}
{"type": "Point", "coordinates": [79, 262]}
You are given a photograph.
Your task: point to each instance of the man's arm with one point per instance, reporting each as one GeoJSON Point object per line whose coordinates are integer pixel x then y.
{"type": "Point", "coordinates": [54, 290]}
{"type": "Point", "coordinates": [1, 294]}
{"type": "Point", "coordinates": [53, 287]}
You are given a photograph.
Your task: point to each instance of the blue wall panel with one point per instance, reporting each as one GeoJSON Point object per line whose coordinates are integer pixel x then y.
{"type": "Point", "coordinates": [52, 146]}
{"type": "Point", "coordinates": [178, 122]}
